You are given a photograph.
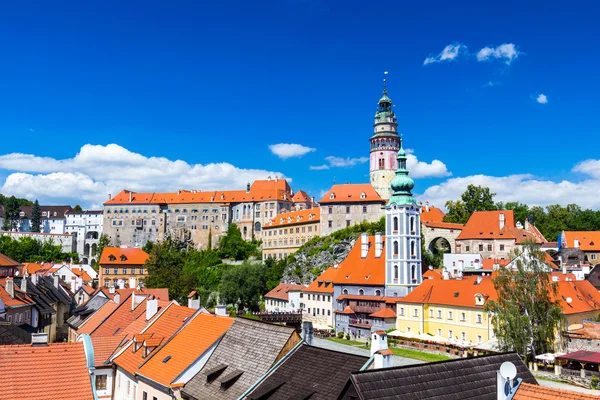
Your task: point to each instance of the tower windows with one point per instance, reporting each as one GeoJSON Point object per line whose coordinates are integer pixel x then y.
{"type": "Point", "coordinates": [412, 248]}
{"type": "Point", "coordinates": [361, 292]}
{"type": "Point", "coordinates": [381, 163]}
{"type": "Point", "coordinates": [396, 247]}
{"type": "Point", "coordinates": [395, 273]}
{"type": "Point", "coordinates": [413, 273]}
{"type": "Point", "coordinates": [412, 224]}
{"type": "Point", "coordinates": [395, 224]}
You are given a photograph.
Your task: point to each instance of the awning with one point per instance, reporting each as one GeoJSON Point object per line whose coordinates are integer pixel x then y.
{"type": "Point", "coordinates": [322, 327]}
{"type": "Point", "coordinates": [549, 357]}
{"type": "Point", "coordinates": [581, 356]}
{"type": "Point", "coordinates": [406, 335]}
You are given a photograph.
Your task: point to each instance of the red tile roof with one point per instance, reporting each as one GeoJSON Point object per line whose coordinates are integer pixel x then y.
{"type": "Point", "coordinates": [584, 297]}
{"type": "Point", "coordinates": [6, 261]}
{"type": "Point", "coordinates": [443, 225]}
{"type": "Point", "coordinates": [93, 321]}
{"type": "Point", "coordinates": [301, 197]}
{"type": "Point", "coordinates": [120, 318]}
{"type": "Point", "coordinates": [527, 391]}
{"type": "Point", "coordinates": [20, 298]}
{"type": "Point", "coordinates": [359, 297]}
{"type": "Point", "coordinates": [309, 216]}
{"type": "Point", "coordinates": [104, 347]}
{"type": "Point", "coordinates": [384, 313]}
{"type": "Point", "coordinates": [130, 255]}
{"type": "Point", "coordinates": [488, 263]}
{"type": "Point", "coordinates": [433, 215]}
{"type": "Point", "coordinates": [56, 371]}
{"type": "Point", "coordinates": [186, 346]}
{"type": "Point", "coordinates": [486, 225]}
{"type": "Point", "coordinates": [589, 331]}
{"type": "Point", "coordinates": [281, 292]}
{"type": "Point", "coordinates": [588, 240]}
{"type": "Point", "coordinates": [164, 325]}
{"type": "Point", "coordinates": [347, 311]}
{"type": "Point", "coordinates": [324, 283]}
{"type": "Point", "coordinates": [433, 274]}
{"type": "Point", "coordinates": [443, 292]}
{"type": "Point", "coordinates": [355, 270]}
{"type": "Point", "coordinates": [30, 268]}
{"type": "Point", "coordinates": [351, 192]}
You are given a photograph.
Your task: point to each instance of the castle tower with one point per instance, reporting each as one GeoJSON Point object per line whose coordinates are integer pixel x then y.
{"type": "Point", "coordinates": [403, 234]}
{"type": "Point", "coordinates": [385, 143]}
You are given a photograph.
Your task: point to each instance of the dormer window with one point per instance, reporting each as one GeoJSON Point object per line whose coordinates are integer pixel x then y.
{"type": "Point", "coordinates": [21, 214]}
{"type": "Point", "coordinates": [479, 300]}
{"type": "Point", "coordinates": [44, 214]}
{"type": "Point", "coordinates": [112, 258]}
{"type": "Point", "coordinates": [331, 196]}
{"type": "Point", "coordinates": [123, 257]}
{"type": "Point", "coordinates": [363, 195]}
{"type": "Point", "coordinates": [55, 213]}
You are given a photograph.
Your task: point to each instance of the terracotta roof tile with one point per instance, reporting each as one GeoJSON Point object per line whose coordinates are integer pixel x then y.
{"type": "Point", "coordinates": [6, 261]}
{"type": "Point", "coordinates": [301, 197]}
{"type": "Point", "coordinates": [486, 225]}
{"type": "Point", "coordinates": [104, 347]}
{"type": "Point", "coordinates": [355, 270]}
{"type": "Point", "coordinates": [433, 274]}
{"type": "Point", "coordinates": [589, 331]}
{"type": "Point", "coordinates": [20, 298]}
{"type": "Point", "coordinates": [196, 337]}
{"type": "Point", "coordinates": [527, 391]}
{"type": "Point", "coordinates": [444, 292]}
{"type": "Point", "coordinates": [282, 290]}
{"type": "Point", "coordinates": [94, 320]}
{"type": "Point", "coordinates": [351, 192]}
{"type": "Point", "coordinates": [120, 318]}
{"type": "Point", "coordinates": [384, 313]}
{"type": "Point", "coordinates": [347, 311]}
{"type": "Point", "coordinates": [41, 372]}
{"type": "Point", "coordinates": [122, 256]}
{"type": "Point", "coordinates": [324, 283]}
{"type": "Point", "coordinates": [584, 297]}
{"type": "Point", "coordinates": [311, 215]}
{"type": "Point", "coordinates": [588, 240]}
{"type": "Point", "coordinates": [433, 215]}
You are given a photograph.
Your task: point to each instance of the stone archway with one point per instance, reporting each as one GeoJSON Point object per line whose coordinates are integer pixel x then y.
{"type": "Point", "coordinates": [439, 245]}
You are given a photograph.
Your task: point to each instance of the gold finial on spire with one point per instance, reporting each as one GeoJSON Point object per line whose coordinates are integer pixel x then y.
{"type": "Point", "coordinates": [385, 81]}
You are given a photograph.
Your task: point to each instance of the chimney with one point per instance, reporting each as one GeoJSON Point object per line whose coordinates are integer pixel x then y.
{"type": "Point", "coordinates": [132, 282]}
{"type": "Point", "coordinates": [130, 196]}
{"type": "Point", "coordinates": [121, 284]}
{"type": "Point", "coordinates": [564, 269]}
{"type": "Point", "coordinates": [269, 178]}
{"type": "Point", "coordinates": [378, 245]}
{"type": "Point", "coordinates": [312, 199]}
{"type": "Point", "coordinates": [10, 287]}
{"type": "Point", "coordinates": [39, 339]}
{"type": "Point", "coordinates": [307, 332]}
{"type": "Point", "coordinates": [379, 348]}
{"type": "Point", "coordinates": [479, 278]}
{"type": "Point", "coordinates": [111, 290]}
{"type": "Point", "coordinates": [194, 302]}
{"type": "Point", "coordinates": [427, 206]}
{"type": "Point", "coordinates": [221, 310]}
{"type": "Point", "coordinates": [117, 297]}
{"type": "Point", "coordinates": [151, 308]}
{"type": "Point", "coordinates": [276, 178]}
{"type": "Point", "coordinates": [364, 245]}
{"type": "Point", "coordinates": [55, 281]}
{"type": "Point", "coordinates": [34, 279]}
{"type": "Point", "coordinates": [24, 285]}
{"type": "Point", "coordinates": [109, 196]}
{"type": "Point", "coordinates": [576, 243]}
{"type": "Point", "coordinates": [248, 187]}
{"type": "Point", "coordinates": [502, 220]}
{"type": "Point", "coordinates": [506, 374]}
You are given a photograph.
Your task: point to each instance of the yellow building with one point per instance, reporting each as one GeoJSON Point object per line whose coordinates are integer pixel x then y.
{"type": "Point", "coordinates": [285, 233]}
{"type": "Point", "coordinates": [448, 308]}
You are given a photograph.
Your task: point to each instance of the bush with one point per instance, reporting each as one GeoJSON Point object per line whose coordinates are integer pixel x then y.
{"type": "Point", "coordinates": [595, 382]}
{"type": "Point", "coordinates": [340, 335]}
{"type": "Point", "coordinates": [347, 336]}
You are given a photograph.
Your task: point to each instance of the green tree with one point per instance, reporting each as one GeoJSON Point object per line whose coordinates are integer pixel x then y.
{"type": "Point", "coordinates": [103, 242]}
{"type": "Point", "coordinates": [233, 246]}
{"type": "Point", "coordinates": [21, 202]}
{"type": "Point", "coordinates": [36, 217]}
{"type": "Point", "coordinates": [78, 208]}
{"type": "Point", "coordinates": [244, 286]}
{"type": "Point", "coordinates": [526, 315]}
{"type": "Point", "coordinates": [475, 198]}
{"type": "Point", "coordinates": [274, 271]}
{"type": "Point", "coordinates": [11, 214]}
{"type": "Point", "coordinates": [457, 212]}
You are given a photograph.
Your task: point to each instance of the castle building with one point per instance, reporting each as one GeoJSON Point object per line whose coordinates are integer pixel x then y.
{"type": "Point", "coordinates": [403, 233]}
{"type": "Point", "coordinates": [385, 143]}
{"type": "Point", "coordinates": [285, 233]}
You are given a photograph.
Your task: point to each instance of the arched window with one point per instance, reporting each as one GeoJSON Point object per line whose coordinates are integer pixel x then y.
{"type": "Point", "coordinates": [412, 248]}
{"type": "Point", "coordinates": [395, 272]}
{"type": "Point", "coordinates": [257, 226]}
{"type": "Point", "coordinates": [395, 224]}
{"type": "Point", "coordinates": [395, 247]}
{"type": "Point", "coordinates": [413, 273]}
{"type": "Point", "coordinates": [361, 292]}
{"type": "Point", "coordinates": [381, 163]}
{"type": "Point", "coordinates": [412, 224]}
{"type": "Point", "coordinates": [378, 292]}
{"type": "Point", "coordinates": [345, 291]}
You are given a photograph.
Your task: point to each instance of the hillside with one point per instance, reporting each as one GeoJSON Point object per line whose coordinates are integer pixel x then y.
{"type": "Point", "coordinates": [320, 253]}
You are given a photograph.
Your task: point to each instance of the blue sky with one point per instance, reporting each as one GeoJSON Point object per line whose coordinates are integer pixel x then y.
{"type": "Point", "coordinates": [214, 84]}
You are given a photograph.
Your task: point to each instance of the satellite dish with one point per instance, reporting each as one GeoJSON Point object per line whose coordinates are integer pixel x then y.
{"type": "Point", "coordinates": [508, 370]}
{"type": "Point", "coordinates": [569, 300]}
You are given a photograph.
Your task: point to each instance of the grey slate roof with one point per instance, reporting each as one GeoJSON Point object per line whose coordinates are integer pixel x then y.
{"type": "Point", "coordinates": [246, 352]}
{"type": "Point", "coordinates": [310, 372]}
{"type": "Point", "coordinates": [468, 378]}
{"type": "Point", "coordinates": [11, 334]}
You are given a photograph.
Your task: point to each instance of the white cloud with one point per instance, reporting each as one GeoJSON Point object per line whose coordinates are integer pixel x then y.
{"type": "Point", "coordinates": [449, 53]}
{"type": "Point", "coordinates": [542, 99]}
{"type": "Point", "coordinates": [319, 167]}
{"type": "Point", "coordinates": [345, 162]}
{"type": "Point", "coordinates": [506, 52]}
{"type": "Point", "coordinates": [588, 167]}
{"type": "Point", "coordinates": [524, 188]}
{"type": "Point", "coordinates": [288, 150]}
{"type": "Point", "coordinates": [420, 169]}
{"type": "Point", "coordinates": [99, 170]}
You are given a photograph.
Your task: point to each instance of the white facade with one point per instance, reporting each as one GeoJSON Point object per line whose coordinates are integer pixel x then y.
{"type": "Point", "coordinates": [126, 387]}
{"type": "Point", "coordinates": [67, 242]}
{"type": "Point", "coordinates": [86, 226]}
{"type": "Point", "coordinates": [402, 249]}
{"type": "Point", "coordinates": [293, 304]}
{"type": "Point", "coordinates": [455, 263]}
{"type": "Point", "coordinates": [318, 309]}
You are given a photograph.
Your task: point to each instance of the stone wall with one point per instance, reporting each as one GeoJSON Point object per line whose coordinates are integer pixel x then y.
{"type": "Point", "coordinates": [431, 234]}
{"type": "Point", "coordinates": [336, 216]}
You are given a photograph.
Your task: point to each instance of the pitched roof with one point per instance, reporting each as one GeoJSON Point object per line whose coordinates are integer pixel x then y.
{"type": "Point", "coordinates": [300, 217]}
{"type": "Point", "coordinates": [384, 313]}
{"type": "Point", "coordinates": [6, 261]}
{"type": "Point", "coordinates": [527, 391]}
{"type": "Point", "coordinates": [120, 318]}
{"type": "Point", "coordinates": [589, 331]}
{"type": "Point", "coordinates": [351, 192]}
{"type": "Point", "coordinates": [468, 378]}
{"type": "Point", "coordinates": [452, 292]}
{"type": "Point", "coordinates": [39, 372]}
{"type": "Point", "coordinates": [20, 298]}
{"type": "Point", "coordinates": [324, 283]}
{"type": "Point", "coordinates": [185, 347]}
{"type": "Point", "coordinates": [122, 256]}
{"type": "Point", "coordinates": [165, 324]}
{"type": "Point", "coordinates": [246, 352]}
{"type": "Point", "coordinates": [301, 197]}
{"type": "Point", "coordinates": [432, 214]}
{"type": "Point", "coordinates": [51, 212]}
{"type": "Point", "coordinates": [355, 270]}
{"type": "Point", "coordinates": [588, 240]}
{"type": "Point", "coordinates": [281, 292]}
{"type": "Point", "coordinates": [104, 347]}
{"type": "Point", "coordinates": [30, 268]}
{"type": "Point", "coordinates": [12, 334]}
{"type": "Point", "coordinates": [309, 372]}
{"type": "Point", "coordinates": [584, 297]}
{"type": "Point", "coordinates": [443, 225]}
{"type": "Point", "coordinates": [99, 316]}
{"type": "Point", "coordinates": [486, 225]}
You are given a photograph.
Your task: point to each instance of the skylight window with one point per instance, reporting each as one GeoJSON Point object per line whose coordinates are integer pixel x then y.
{"type": "Point", "coordinates": [456, 294]}
{"type": "Point", "coordinates": [167, 358]}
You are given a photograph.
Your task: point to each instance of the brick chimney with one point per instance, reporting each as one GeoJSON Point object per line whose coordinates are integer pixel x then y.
{"type": "Point", "coordinates": [502, 220]}
{"type": "Point", "coordinates": [10, 287]}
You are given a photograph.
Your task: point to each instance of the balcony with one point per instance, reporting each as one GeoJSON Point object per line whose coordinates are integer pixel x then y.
{"type": "Point", "coordinates": [361, 323]}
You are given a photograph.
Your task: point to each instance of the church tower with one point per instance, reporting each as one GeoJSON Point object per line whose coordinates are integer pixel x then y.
{"type": "Point", "coordinates": [403, 234]}
{"type": "Point", "coordinates": [385, 143]}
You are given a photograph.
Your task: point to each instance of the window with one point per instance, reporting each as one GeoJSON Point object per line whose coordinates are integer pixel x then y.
{"type": "Point", "coordinates": [450, 334]}
{"type": "Point", "coordinates": [345, 291]}
{"type": "Point", "coordinates": [479, 318]}
{"type": "Point", "coordinates": [431, 313]}
{"type": "Point", "coordinates": [479, 339]}
{"type": "Point", "coordinates": [593, 256]}
{"type": "Point", "coordinates": [144, 396]}
{"type": "Point", "coordinates": [115, 270]}
{"type": "Point", "coordinates": [330, 210]}
{"type": "Point", "coordinates": [489, 247]}
{"type": "Point", "coordinates": [381, 163]}
{"type": "Point", "coordinates": [347, 209]}
{"type": "Point", "coordinates": [480, 247]}
{"type": "Point", "coordinates": [364, 209]}
{"type": "Point", "coordinates": [413, 253]}
{"type": "Point", "coordinates": [463, 316]}
{"type": "Point", "coordinates": [395, 272]}
{"type": "Point", "coordinates": [416, 312]}
{"type": "Point", "coordinates": [361, 292]}
{"type": "Point", "coordinates": [502, 248]}
{"type": "Point", "coordinates": [100, 382]}
{"type": "Point", "coordinates": [330, 224]}
{"type": "Point", "coordinates": [107, 270]}
{"type": "Point", "coordinates": [412, 224]}
{"type": "Point", "coordinates": [449, 314]}
{"type": "Point", "coordinates": [395, 224]}
{"type": "Point", "coordinates": [378, 292]}
{"type": "Point", "coordinates": [348, 224]}
{"type": "Point", "coordinates": [396, 247]}
{"type": "Point", "coordinates": [464, 336]}
{"type": "Point", "coordinates": [141, 270]}
{"type": "Point", "coordinates": [402, 311]}
{"type": "Point", "coordinates": [328, 312]}
{"type": "Point", "coordinates": [467, 248]}
{"type": "Point", "coordinates": [124, 271]}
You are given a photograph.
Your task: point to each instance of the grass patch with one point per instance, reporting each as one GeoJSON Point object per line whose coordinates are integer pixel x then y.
{"type": "Point", "coordinates": [347, 342]}
{"type": "Point", "coordinates": [419, 355]}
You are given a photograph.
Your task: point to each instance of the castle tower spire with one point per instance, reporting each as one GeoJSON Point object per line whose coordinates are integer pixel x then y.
{"type": "Point", "coordinates": [385, 143]}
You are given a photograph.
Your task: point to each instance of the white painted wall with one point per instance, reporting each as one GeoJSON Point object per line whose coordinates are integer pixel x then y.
{"type": "Point", "coordinates": [455, 263]}
{"type": "Point", "coordinates": [318, 301]}
{"type": "Point", "coordinates": [126, 388]}
{"type": "Point", "coordinates": [105, 393]}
